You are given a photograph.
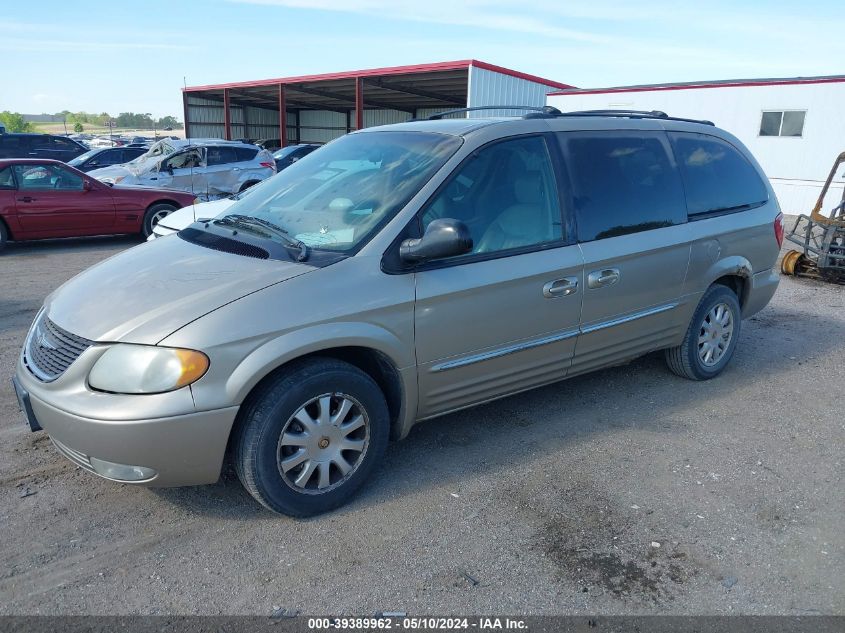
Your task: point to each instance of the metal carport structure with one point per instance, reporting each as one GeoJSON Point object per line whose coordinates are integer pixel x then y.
{"type": "Point", "coordinates": [318, 108]}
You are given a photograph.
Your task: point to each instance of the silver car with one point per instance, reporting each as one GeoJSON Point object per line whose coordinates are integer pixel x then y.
{"type": "Point", "coordinates": [399, 274]}
{"type": "Point", "coordinates": [208, 168]}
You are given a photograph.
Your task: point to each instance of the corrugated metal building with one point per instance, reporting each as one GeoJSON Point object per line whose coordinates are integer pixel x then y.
{"type": "Point", "coordinates": [319, 108]}
{"type": "Point", "coordinates": [794, 127]}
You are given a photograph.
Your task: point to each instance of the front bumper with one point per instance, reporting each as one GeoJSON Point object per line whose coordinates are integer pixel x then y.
{"type": "Point", "coordinates": [183, 450]}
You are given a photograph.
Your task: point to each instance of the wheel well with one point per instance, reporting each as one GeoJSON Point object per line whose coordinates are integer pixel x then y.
{"type": "Point", "coordinates": [8, 230]}
{"type": "Point", "coordinates": [373, 363]}
{"type": "Point", "coordinates": [738, 284]}
{"type": "Point", "coordinates": [248, 184]}
{"type": "Point", "coordinates": [172, 203]}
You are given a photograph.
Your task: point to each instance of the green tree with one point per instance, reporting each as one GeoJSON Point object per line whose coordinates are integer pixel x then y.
{"type": "Point", "coordinates": [14, 122]}
{"type": "Point", "coordinates": [169, 121]}
{"type": "Point", "coordinates": [77, 127]}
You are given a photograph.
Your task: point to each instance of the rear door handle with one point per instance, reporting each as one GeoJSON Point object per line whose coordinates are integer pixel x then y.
{"type": "Point", "coordinates": [601, 278]}
{"type": "Point", "coordinates": [26, 199]}
{"type": "Point", "coordinates": [560, 287]}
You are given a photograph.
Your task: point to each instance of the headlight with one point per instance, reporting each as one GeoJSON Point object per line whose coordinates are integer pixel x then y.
{"type": "Point", "coordinates": [142, 369]}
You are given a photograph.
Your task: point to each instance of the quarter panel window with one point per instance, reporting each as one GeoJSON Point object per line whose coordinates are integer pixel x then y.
{"type": "Point", "coordinates": [505, 194]}
{"type": "Point", "coordinates": [716, 176]}
{"type": "Point", "coordinates": [221, 155]}
{"type": "Point", "coordinates": [622, 182]}
{"type": "Point", "coordinates": [6, 180]}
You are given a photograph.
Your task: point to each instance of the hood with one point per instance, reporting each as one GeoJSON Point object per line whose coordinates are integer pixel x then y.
{"type": "Point", "coordinates": [186, 216]}
{"type": "Point", "coordinates": [148, 292]}
{"type": "Point", "coordinates": [110, 172]}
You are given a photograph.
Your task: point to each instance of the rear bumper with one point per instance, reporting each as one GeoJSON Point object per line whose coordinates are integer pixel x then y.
{"type": "Point", "coordinates": [183, 450]}
{"type": "Point", "coordinates": [763, 287]}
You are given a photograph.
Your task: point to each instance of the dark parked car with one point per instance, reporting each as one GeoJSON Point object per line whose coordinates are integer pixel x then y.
{"type": "Point", "coordinates": [106, 157]}
{"type": "Point", "coordinates": [45, 198]}
{"type": "Point", "coordinates": [39, 146]}
{"type": "Point", "coordinates": [287, 156]}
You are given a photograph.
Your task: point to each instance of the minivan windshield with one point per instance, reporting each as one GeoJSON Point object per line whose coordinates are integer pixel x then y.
{"type": "Point", "coordinates": [337, 197]}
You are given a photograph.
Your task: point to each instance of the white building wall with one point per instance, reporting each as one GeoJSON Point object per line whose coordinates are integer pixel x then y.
{"type": "Point", "coordinates": [796, 167]}
{"type": "Point", "coordinates": [487, 87]}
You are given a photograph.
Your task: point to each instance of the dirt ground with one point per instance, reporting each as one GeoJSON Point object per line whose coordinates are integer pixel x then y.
{"type": "Point", "coordinates": [628, 491]}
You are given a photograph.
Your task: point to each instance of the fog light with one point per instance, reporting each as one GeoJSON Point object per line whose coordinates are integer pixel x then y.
{"type": "Point", "coordinates": [121, 472]}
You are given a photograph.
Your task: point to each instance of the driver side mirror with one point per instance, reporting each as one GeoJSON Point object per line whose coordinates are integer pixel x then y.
{"type": "Point", "coordinates": [87, 185]}
{"type": "Point", "coordinates": [443, 238]}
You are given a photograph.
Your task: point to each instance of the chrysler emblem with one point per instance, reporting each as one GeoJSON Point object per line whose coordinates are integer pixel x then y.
{"type": "Point", "coordinates": [44, 343]}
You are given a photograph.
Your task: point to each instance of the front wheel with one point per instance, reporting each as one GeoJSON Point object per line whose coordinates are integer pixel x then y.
{"type": "Point", "coordinates": [155, 214]}
{"type": "Point", "coordinates": [4, 235]}
{"type": "Point", "coordinates": [310, 436]}
{"type": "Point", "coordinates": [711, 338]}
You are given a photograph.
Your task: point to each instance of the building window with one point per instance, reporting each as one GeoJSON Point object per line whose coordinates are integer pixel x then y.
{"type": "Point", "coordinates": [782, 123]}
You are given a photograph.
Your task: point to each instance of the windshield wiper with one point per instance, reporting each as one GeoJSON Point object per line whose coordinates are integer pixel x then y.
{"type": "Point", "coordinates": [268, 228]}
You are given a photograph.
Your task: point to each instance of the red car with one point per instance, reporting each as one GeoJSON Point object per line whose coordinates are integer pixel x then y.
{"type": "Point", "coordinates": [47, 198]}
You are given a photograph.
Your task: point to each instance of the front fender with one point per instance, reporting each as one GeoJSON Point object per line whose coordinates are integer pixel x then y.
{"type": "Point", "coordinates": [275, 353]}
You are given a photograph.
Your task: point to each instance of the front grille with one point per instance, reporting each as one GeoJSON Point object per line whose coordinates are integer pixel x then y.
{"type": "Point", "coordinates": [50, 350]}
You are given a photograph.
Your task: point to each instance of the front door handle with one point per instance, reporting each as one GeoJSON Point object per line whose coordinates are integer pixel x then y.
{"type": "Point", "coordinates": [601, 278]}
{"type": "Point", "coordinates": [560, 287]}
{"type": "Point", "coordinates": [26, 199]}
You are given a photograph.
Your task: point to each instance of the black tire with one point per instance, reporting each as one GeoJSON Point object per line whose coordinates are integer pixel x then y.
{"type": "Point", "coordinates": [4, 235]}
{"type": "Point", "coordinates": [248, 184]}
{"type": "Point", "coordinates": [270, 410]}
{"type": "Point", "coordinates": [153, 215]}
{"type": "Point", "coordinates": [685, 360]}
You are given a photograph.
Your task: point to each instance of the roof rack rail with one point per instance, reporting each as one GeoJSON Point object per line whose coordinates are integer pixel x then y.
{"type": "Point", "coordinates": [630, 114]}
{"type": "Point", "coordinates": [541, 110]}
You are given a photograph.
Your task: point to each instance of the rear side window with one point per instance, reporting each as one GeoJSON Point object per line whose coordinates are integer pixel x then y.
{"type": "Point", "coordinates": [622, 182]}
{"type": "Point", "coordinates": [220, 155]}
{"type": "Point", "coordinates": [717, 178]}
{"type": "Point", "coordinates": [63, 143]}
{"type": "Point", "coordinates": [245, 153]}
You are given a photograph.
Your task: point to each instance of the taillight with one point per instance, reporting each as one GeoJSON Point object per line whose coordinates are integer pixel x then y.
{"type": "Point", "coordinates": [779, 229]}
{"type": "Point", "coordinates": [269, 165]}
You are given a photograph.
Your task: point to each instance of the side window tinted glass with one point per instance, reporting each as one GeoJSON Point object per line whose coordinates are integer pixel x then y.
{"type": "Point", "coordinates": [505, 194]}
{"type": "Point", "coordinates": [62, 143]}
{"type": "Point", "coordinates": [221, 155]}
{"type": "Point", "coordinates": [622, 182]}
{"type": "Point", "coordinates": [244, 154]}
{"type": "Point", "coordinates": [716, 176]}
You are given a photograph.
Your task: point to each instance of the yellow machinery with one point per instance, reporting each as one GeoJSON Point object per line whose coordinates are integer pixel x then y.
{"type": "Point", "coordinates": [821, 238]}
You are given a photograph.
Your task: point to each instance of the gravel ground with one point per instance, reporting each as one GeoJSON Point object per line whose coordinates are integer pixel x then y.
{"type": "Point", "coordinates": [628, 491]}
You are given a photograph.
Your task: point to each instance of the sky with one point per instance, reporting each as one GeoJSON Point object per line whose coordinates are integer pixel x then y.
{"type": "Point", "coordinates": [119, 56]}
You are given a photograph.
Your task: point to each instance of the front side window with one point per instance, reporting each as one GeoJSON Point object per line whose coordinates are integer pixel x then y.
{"type": "Point", "coordinates": [506, 194]}
{"type": "Point", "coordinates": [622, 182]}
{"type": "Point", "coordinates": [46, 177]}
{"type": "Point", "coordinates": [717, 177]}
{"type": "Point", "coordinates": [782, 123]}
{"type": "Point", "coordinates": [188, 159]}
{"type": "Point", "coordinates": [336, 199]}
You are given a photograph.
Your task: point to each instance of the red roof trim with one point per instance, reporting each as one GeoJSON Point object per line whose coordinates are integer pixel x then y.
{"type": "Point", "coordinates": [732, 84]}
{"type": "Point", "coordinates": [389, 70]}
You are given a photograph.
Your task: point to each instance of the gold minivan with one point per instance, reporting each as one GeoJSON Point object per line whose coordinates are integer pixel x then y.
{"type": "Point", "coordinates": [394, 275]}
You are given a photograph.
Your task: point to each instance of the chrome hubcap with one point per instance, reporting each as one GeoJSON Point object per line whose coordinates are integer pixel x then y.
{"type": "Point", "coordinates": [715, 334]}
{"type": "Point", "coordinates": [159, 216]}
{"type": "Point", "coordinates": [323, 443]}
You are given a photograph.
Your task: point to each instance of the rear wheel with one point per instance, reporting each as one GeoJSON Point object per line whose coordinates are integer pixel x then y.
{"type": "Point", "coordinates": [310, 437]}
{"type": "Point", "coordinates": [711, 338]}
{"type": "Point", "coordinates": [155, 214]}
